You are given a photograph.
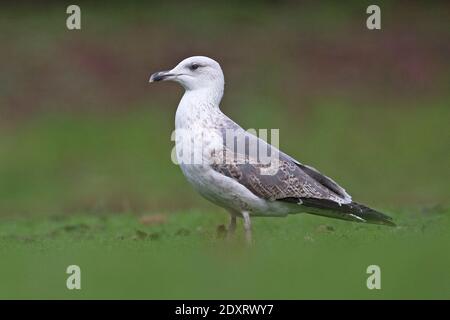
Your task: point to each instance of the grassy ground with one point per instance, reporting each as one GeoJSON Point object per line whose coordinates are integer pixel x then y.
{"type": "Point", "coordinates": [184, 255]}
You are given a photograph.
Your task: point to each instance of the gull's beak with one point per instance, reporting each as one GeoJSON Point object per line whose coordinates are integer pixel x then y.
{"type": "Point", "coordinates": [161, 76]}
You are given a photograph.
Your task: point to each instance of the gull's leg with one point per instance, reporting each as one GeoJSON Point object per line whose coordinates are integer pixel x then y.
{"type": "Point", "coordinates": [247, 227]}
{"type": "Point", "coordinates": [232, 225]}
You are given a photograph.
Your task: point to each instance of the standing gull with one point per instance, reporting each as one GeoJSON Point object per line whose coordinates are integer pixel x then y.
{"type": "Point", "coordinates": [236, 179]}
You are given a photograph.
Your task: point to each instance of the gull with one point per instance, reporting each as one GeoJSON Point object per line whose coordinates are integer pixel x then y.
{"type": "Point", "coordinates": [236, 179]}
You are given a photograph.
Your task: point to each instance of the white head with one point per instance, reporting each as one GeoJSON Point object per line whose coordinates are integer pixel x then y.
{"type": "Point", "coordinates": [194, 73]}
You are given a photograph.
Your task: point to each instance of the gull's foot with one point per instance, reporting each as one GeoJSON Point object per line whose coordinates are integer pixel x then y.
{"type": "Point", "coordinates": [247, 228]}
{"type": "Point", "coordinates": [221, 231]}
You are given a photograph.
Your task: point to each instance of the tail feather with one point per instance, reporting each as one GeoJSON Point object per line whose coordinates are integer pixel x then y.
{"type": "Point", "coordinates": [346, 211]}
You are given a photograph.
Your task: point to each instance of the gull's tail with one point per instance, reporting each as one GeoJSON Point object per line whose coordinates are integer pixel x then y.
{"type": "Point", "coordinates": [346, 211]}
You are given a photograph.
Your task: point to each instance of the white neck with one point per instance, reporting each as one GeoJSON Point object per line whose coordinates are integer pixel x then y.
{"type": "Point", "coordinates": [198, 105]}
{"type": "Point", "coordinates": [210, 95]}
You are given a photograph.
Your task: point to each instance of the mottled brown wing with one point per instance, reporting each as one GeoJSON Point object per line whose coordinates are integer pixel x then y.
{"type": "Point", "coordinates": [291, 180]}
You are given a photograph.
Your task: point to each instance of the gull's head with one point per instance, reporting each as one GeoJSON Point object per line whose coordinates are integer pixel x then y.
{"type": "Point", "coordinates": [193, 73]}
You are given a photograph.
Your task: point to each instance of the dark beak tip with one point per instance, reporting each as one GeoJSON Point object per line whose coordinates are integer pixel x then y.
{"type": "Point", "coordinates": [160, 76]}
{"type": "Point", "coordinates": [156, 77]}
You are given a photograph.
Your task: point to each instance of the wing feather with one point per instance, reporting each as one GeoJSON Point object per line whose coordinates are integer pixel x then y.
{"type": "Point", "coordinates": [292, 179]}
{"type": "Point", "coordinates": [292, 182]}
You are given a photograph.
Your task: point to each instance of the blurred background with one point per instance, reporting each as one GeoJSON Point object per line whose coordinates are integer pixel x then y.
{"type": "Point", "coordinates": [81, 130]}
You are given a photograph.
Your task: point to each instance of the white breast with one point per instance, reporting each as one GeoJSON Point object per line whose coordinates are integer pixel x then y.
{"type": "Point", "coordinates": [198, 135]}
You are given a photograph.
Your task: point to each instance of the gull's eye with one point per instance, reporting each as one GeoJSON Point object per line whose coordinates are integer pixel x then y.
{"type": "Point", "coordinates": [194, 66]}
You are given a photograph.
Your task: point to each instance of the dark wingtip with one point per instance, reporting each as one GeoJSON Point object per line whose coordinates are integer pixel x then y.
{"type": "Point", "coordinates": [346, 211]}
{"type": "Point", "coordinates": [391, 224]}
{"type": "Point", "coordinates": [373, 216]}
{"type": "Point", "coordinates": [384, 221]}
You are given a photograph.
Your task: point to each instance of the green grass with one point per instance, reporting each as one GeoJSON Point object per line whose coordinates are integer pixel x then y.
{"type": "Point", "coordinates": [185, 256]}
